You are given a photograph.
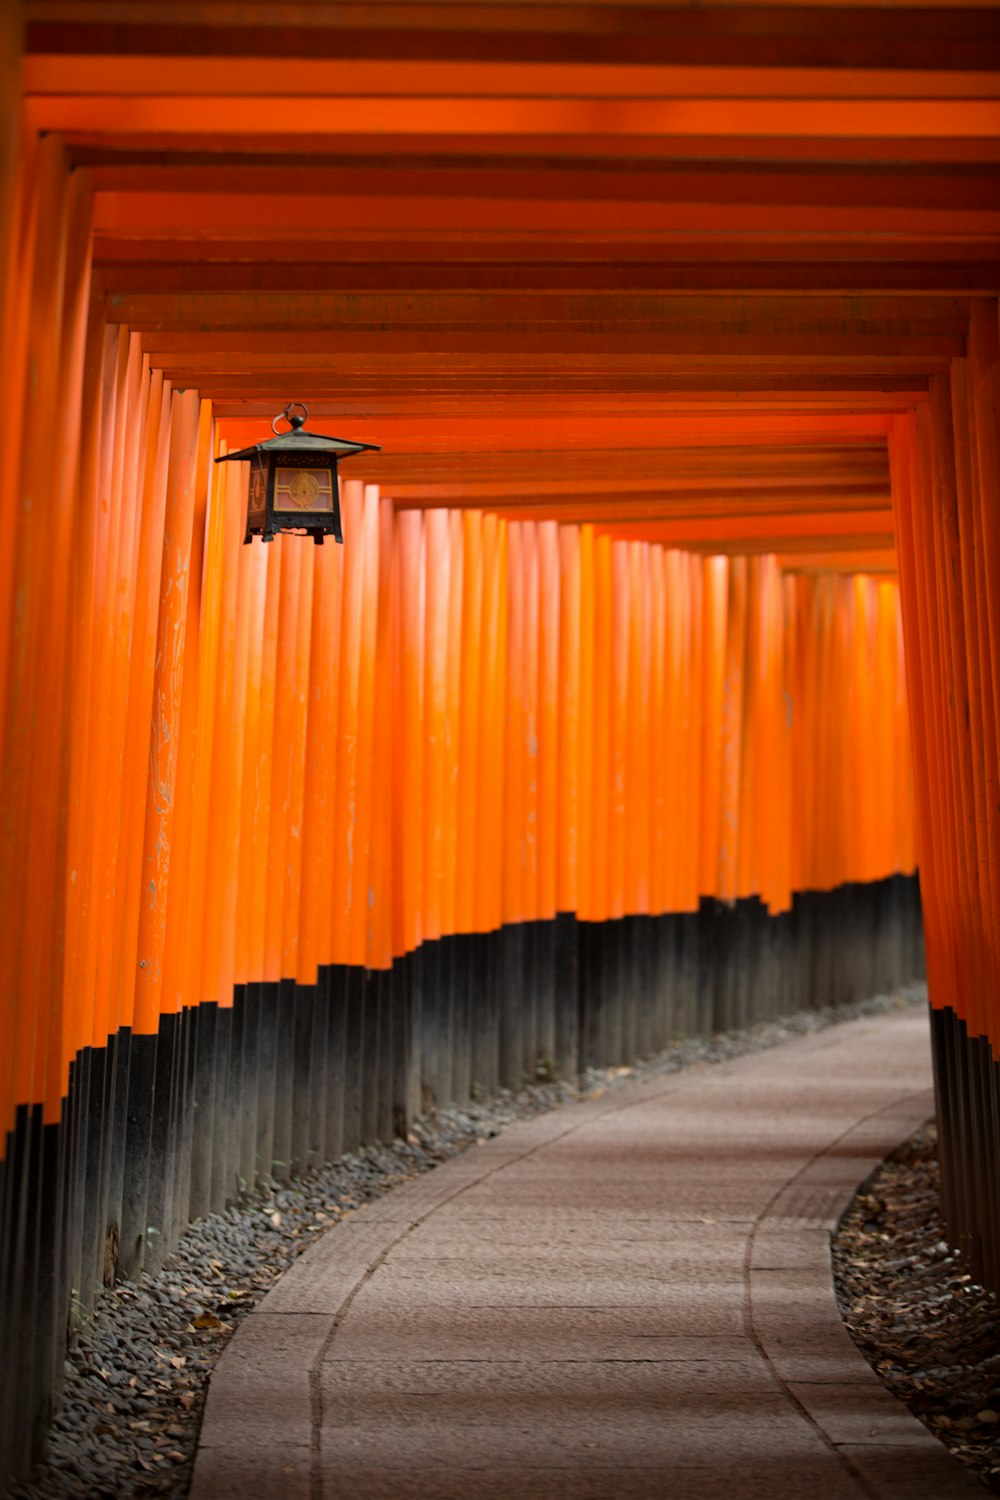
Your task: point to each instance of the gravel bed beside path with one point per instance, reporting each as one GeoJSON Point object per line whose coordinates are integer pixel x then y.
{"type": "Point", "coordinates": [928, 1330]}
{"type": "Point", "coordinates": [139, 1365]}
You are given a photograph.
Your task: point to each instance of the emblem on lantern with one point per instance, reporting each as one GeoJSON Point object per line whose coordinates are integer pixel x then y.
{"type": "Point", "coordinates": [293, 480]}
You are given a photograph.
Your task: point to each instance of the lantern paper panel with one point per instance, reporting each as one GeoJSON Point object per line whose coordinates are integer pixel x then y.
{"type": "Point", "coordinates": [293, 482]}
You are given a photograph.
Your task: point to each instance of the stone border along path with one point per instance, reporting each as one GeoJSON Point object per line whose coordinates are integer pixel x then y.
{"type": "Point", "coordinates": [629, 1297]}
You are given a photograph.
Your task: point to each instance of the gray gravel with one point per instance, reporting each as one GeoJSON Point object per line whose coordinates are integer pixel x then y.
{"type": "Point", "coordinates": [929, 1331]}
{"type": "Point", "coordinates": [138, 1369]}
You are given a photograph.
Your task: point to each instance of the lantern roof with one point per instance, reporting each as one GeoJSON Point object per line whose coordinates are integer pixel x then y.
{"type": "Point", "coordinates": [296, 441]}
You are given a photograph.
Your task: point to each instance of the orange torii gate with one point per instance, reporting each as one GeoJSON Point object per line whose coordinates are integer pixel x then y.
{"type": "Point", "coordinates": [678, 328]}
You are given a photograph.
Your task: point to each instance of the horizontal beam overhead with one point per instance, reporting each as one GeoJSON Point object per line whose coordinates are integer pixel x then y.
{"type": "Point", "coordinates": [910, 37]}
{"type": "Point", "coordinates": [157, 266]}
{"type": "Point", "coordinates": [670, 267]}
{"type": "Point", "coordinates": [351, 77]}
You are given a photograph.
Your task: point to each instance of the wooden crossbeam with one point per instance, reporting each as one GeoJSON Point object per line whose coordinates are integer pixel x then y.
{"type": "Point", "coordinates": [292, 314]}
{"type": "Point", "coordinates": [676, 267]}
{"type": "Point", "coordinates": [911, 36]}
{"type": "Point", "coordinates": [345, 216]}
{"type": "Point", "coordinates": [289, 116]}
{"type": "Point", "coordinates": [125, 266]}
{"type": "Point", "coordinates": [134, 75]}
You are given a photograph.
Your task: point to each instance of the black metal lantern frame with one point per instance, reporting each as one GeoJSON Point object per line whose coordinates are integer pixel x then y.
{"type": "Point", "coordinates": [293, 480]}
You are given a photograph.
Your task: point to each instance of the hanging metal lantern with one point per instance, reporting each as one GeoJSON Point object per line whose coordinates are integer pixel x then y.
{"type": "Point", "coordinates": [293, 480]}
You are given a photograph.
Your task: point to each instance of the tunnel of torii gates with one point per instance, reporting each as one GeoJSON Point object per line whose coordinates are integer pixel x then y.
{"type": "Point", "coordinates": [678, 330]}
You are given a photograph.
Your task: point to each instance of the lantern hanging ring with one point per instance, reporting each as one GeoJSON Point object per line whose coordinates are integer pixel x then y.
{"type": "Point", "coordinates": [294, 422]}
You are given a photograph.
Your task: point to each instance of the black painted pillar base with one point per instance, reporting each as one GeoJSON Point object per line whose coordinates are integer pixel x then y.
{"type": "Point", "coordinates": [967, 1090]}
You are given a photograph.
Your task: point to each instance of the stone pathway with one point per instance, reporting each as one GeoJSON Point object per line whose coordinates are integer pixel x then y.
{"type": "Point", "coordinates": [629, 1297]}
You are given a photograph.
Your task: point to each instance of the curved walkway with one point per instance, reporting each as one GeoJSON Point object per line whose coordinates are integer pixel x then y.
{"type": "Point", "coordinates": [625, 1298]}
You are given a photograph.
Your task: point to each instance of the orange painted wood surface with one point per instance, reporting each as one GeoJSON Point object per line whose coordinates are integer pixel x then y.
{"type": "Point", "coordinates": [685, 369]}
{"type": "Point", "coordinates": [573, 701]}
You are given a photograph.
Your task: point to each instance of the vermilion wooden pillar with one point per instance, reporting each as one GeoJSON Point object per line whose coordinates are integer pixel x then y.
{"type": "Point", "coordinates": [945, 482]}
{"type": "Point", "coordinates": [597, 309]}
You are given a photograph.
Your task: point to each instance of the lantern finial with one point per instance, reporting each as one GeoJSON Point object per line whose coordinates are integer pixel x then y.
{"type": "Point", "coordinates": [294, 422]}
